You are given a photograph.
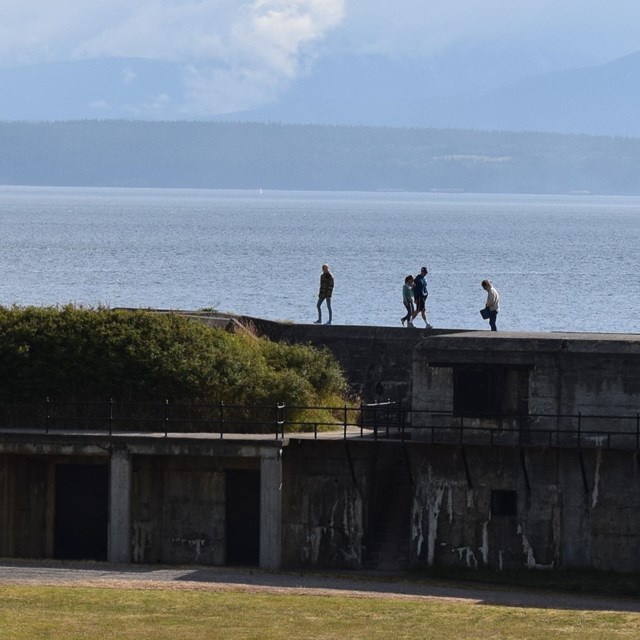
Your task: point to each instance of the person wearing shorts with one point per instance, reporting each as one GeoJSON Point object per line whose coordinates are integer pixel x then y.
{"type": "Point", "coordinates": [420, 294]}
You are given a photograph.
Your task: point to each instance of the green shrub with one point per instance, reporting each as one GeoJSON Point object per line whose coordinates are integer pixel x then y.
{"type": "Point", "coordinates": [74, 353]}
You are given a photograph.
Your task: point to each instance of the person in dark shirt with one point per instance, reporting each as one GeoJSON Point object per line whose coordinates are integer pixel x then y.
{"type": "Point", "coordinates": [326, 291]}
{"type": "Point", "coordinates": [420, 294]}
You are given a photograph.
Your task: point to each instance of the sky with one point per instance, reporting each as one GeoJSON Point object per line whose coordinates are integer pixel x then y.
{"type": "Point", "coordinates": [239, 54]}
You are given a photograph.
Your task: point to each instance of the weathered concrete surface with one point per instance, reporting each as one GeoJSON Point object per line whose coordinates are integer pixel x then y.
{"type": "Point", "coordinates": [271, 510]}
{"type": "Point", "coordinates": [559, 522]}
{"type": "Point", "coordinates": [23, 506]}
{"type": "Point", "coordinates": [119, 545]}
{"type": "Point", "coordinates": [573, 508]}
{"type": "Point", "coordinates": [321, 500]}
{"type": "Point", "coordinates": [550, 374]}
{"type": "Point", "coordinates": [27, 502]}
{"type": "Point", "coordinates": [325, 494]}
{"type": "Point", "coordinates": [178, 508]}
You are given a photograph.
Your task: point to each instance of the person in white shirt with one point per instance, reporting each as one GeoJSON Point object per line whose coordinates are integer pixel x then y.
{"type": "Point", "coordinates": [493, 303]}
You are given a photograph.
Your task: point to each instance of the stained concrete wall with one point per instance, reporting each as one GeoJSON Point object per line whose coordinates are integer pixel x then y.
{"type": "Point", "coordinates": [325, 504]}
{"type": "Point", "coordinates": [178, 508]}
{"type": "Point", "coordinates": [167, 500]}
{"type": "Point", "coordinates": [24, 483]}
{"type": "Point", "coordinates": [561, 522]}
{"type": "Point", "coordinates": [27, 502]}
{"type": "Point", "coordinates": [573, 509]}
{"type": "Point", "coordinates": [567, 374]}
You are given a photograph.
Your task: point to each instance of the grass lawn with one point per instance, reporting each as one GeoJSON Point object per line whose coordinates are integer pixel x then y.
{"type": "Point", "coordinates": [37, 612]}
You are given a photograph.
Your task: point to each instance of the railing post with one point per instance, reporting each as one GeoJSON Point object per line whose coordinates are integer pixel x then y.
{"type": "Point", "coordinates": [375, 422]}
{"type": "Point", "coordinates": [361, 421]}
{"type": "Point", "coordinates": [47, 416]}
{"type": "Point", "coordinates": [344, 421]}
{"type": "Point", "coordinates": [110, 416]}
{"type": "Point", "coordinates": [279, 417]}
{"type": "Point", "coordinates": [221, 418]}
{"type": "Point", "coordinates": [387, 415]}
{"type": "Point", "coordinates": [166, 417]}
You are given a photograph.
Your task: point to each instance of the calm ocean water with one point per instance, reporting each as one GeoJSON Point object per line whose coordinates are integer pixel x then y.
{"type": "Point", "coordinates": [559, 262]}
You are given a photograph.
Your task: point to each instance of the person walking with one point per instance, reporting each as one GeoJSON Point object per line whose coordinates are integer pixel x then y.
{"type": "Point", "coordinates": [326, 291]}
{"type": "Point", "coordinates": [407, 300]}
{"type": "Point", "coordinates": [492, 304]}
{"type": "Point", "coordinates": [420, 294]}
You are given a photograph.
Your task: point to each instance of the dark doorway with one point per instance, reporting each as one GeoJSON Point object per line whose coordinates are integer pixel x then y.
{"type": "Point", "coordinates": [243, 517]}
{"type": "Point", "coordinates": [82, 512]}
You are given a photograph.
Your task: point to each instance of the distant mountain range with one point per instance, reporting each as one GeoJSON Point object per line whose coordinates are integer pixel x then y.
{"type": "Point", "coordinates": [602, 100]}
{"type": "Point", "coordinates": [374, 91]}
{"type": "Point", "coordinates": [599, 100]}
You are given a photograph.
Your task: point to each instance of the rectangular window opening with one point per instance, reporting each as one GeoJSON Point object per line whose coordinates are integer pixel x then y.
{"type": "Point", "coordinates": [490, 391]}
{"type": "Point", "coordinates": [504, 503]}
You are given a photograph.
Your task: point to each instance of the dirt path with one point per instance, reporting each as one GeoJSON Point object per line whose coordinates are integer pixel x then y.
{"type": "Point", "coordinates": [361, 585]}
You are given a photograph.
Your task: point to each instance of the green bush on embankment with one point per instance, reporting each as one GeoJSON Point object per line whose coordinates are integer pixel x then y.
{"type": "Point", "coordinates": [73, 353]}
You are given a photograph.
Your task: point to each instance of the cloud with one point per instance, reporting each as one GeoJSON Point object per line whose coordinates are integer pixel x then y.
{"type": "Point", "coordinates": [128, 75]}
{"type": "Point", "coordinates": [239, 54]}
{"type": "Point", "coordinates": [99, 105]}
{"type": "Point", "coordinates": [267, 47]}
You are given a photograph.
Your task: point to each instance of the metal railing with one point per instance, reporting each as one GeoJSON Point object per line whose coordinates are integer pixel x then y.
{"type": "Point", "coordinates": [577, 430]}
{"type": "Point", "coordinates": [120, 417]}
{"type": "Point", "coordinates": [383, 420]}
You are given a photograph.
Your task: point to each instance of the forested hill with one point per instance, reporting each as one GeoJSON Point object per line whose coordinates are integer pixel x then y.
{"type": "Point", "coordinates": [220, 155]}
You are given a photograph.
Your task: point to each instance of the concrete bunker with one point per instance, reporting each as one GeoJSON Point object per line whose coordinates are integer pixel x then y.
{"type": "Point", "coordinates": [140, 499]}
{"type": "Point", "coordinates": [521, 451]}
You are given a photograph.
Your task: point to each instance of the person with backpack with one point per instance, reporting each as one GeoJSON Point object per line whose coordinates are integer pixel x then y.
{"type": "Point", "coordinates": [420, 294]}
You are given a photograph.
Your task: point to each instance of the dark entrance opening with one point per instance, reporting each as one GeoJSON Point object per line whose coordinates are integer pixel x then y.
{"type": "Point", "coordinates": [504, 503]}
{"type": "Point", "coordinates": [82, 512]}
{"type": "Point", "coordinates": [243, 517]}
{"type": "Point", "coordinates": [490, 391]}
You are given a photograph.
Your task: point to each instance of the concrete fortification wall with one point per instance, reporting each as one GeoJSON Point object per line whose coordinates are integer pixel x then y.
{"type": "Point", "coordinates": [355, 501]}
